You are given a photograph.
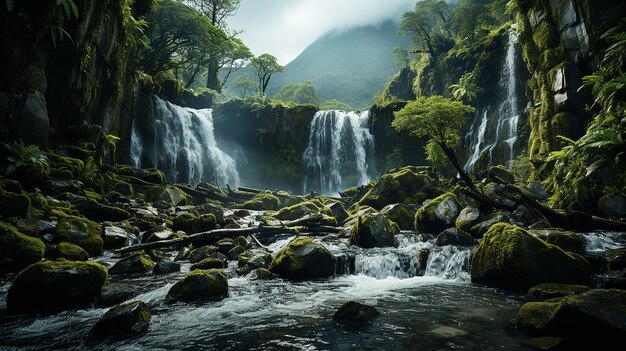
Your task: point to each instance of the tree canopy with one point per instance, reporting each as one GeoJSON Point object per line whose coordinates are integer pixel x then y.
{"type": "Point", "coordinates": [299, 93]}
{"type": "Point", "coordinates": [265, 65]}
{"type": "Point", "coordinates": [243, 86]}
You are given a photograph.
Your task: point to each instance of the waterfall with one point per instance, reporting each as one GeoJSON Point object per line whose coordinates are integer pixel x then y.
{"type": "Point", "coordinates": [337, 156]}
{"type": "Point", "coordinates": [182, 144]}
{"type": "Point", "coordinates": [492, 138]}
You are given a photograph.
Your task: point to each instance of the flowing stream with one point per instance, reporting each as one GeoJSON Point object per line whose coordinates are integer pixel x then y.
{"type": "Point", "coordinates": [339, 152]}
{"type": "Point", "coordinates": [182, 145]}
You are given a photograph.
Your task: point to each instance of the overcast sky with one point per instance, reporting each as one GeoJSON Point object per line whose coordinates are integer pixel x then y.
{"type": "Point", "coordinates": [284, 28]}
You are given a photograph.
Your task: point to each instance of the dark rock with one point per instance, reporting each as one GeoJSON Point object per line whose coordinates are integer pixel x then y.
{"type": "Point", "coordinates": [183, 254]}
{"type": "Point", "coordinates": [509, 257]}
{"type": "Point", "coordinates": [209, 208]}
{"type": "Point", "coordinates": [467, 218]}
{"type": "Point", "coordinates": [135, 263]}
{"type": "Point", "coordinates": [225, 245]}
{"type": "Point", "coordinates": [234, 253]}
{"type": "Point", "coordinates": [357, 313]}
{"type": "Point", "coordinates": [260, 274]}
{"type": "Point", "coordinates": [338, 211]}
{"type": "Point", "coordinates": [82, 232]}
{"type": "Point", "coordinates": [51, 285]}
{"type": "Point", "coordinates": [190, 223]}
{"type": "Point", "coordinates": [617, 259]}
{"type": "Point", "coordinates": [499, 174]}
{"type": "Point", "coordinates": [567, 241]}
{"type": "Point", "coordinates": [58, 186]}
{"type": "Point", "coordinates": [114, 293]}
{"type": "Point", "coordinates": [45, 227]}
{"type": "Point", "coordinates": [13, 204]}
{"type": "Point", "coordinates": [454, 236]}
{"type": "Point", "coordinates": [200, 285]}
{"type": "Point", "coordinates": [567, 15]}
{"type": "Point", "coordinates": [208, 263]}
{"type": "Point", "coordinates": [114, 237]}
{"type": "Point", "coordinates": [158, 234]}
{"type": "Point", "coordinates": [165, 266]}
{"type": "Point", "coordinates": [422, 261]}
{"type": "Point", "coordinates": [68, 251]}
{"type": "Point", "coordinates": [546, 343]}
{"type": "Point", "coordinates": [551, 290]}
{"type": "Point", "coordinates": [128, 319]}
{"type": "Point", "coordinates": [438, 214]}
{"type": "Point", "coordinates": [372, 231]}
{"type": "Point", "coordinates": [401, 214]}
{"type": "Point", "coordinates": [402, 186]}
{"type": "Point", "coordinates": [18, 250]}
{"type": "Point", "coordinates": [612, 206]}
{"type": "Point", "coordinates": [201, 253]}
{"type": "Point", "coordinates": [478, 230]}
{"type": "Point", "coordinates": [303, 259]}
{"type": "Point", "coordinates": [31, 123]}
{"type": "Point", "coordinates": [536, 191]}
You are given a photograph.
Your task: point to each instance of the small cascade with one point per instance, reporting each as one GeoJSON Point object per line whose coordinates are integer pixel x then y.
{"type": "Point", "coordinates": [182, 144]}
{"type": "Point", "coordinates": [492, 138]}
{"type": "Point", "coordinates": [340, 147]}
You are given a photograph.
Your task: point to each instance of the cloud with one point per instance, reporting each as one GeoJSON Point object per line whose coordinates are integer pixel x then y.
{"type": "Point", "coordinates": [284, 28]}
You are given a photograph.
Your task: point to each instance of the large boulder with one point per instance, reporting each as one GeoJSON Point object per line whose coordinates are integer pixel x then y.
{"type": "Point", "coordinates": [596, 316]}
{"type": "Point", "coordinates": [199, 285]}
{"type": "Point", "coordinates": [509, 257]}
{"type": "Point", "coordinates": [263, 202]}
{"type": "Point", "coordinates": [297, 211]}
{"type": "Point", "coordinates": [303, 259]}
{"type": "Point", "coordinates": [355, 313]}
{"type": "Point", "coordinates": [403, 186]}
{"type": "Point", "coordinates": [567, 241]}
{"type": "Point", "coordinates": [499, 174]}
{"type": "Point", "coordinates": [31, 123]}
{"type": "Point", "coordinates": [13, 204]}
{"type": "Point", "coordinates": [115, 237]}
{"type": "Point", "coordinates": [68, 251]}
{"type": "Point", "coordinates": [454, 236]}
{"type": "Point", "coordinates": [51, 285]}
{"type": "Point", "coordinates": [372, 231]}
{"type": "Point", "coordinates": [135, 263]}
{"type": "Point", "coordinates": [128, 319]}
{"type": "Point", "coordinates": [18, 250]}
{"type": "Point", "coordinates": [401, 214]}
{"type": "Point", "coordinates": [438, 214]}
{"type": "Point", "coordinates": [468, 217]}
{"type": "Point", "coordinates": [82, 232]}
{"type": "Point", "coordinates": [112, 294]}
{"type": "Point", "coordinates": [552, 290]}
{"type": "Point", "coordinates": [191, 223]}
{"type": "Point", "coordinates": [166, 266]}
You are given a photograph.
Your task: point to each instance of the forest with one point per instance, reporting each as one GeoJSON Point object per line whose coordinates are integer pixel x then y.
{"type": "Point", "coordinates": [438, 174]}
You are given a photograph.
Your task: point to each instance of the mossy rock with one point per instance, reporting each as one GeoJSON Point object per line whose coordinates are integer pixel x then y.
{"type": "Point", "coordinates": [336, 210]}
{"type": "Point", "coordinates": [437, 215]}
{"type": "Point", "coordinates": [135, 263]}
{"type": "Point", "coordinates": [401, 214]}
{"type": "Point", "coordinates": [200, 285]}
{"type": "Point", "coordinates": [297, 211]}
{"type": "Point", "coordinates": [191, 223]}
{"type": "Point", "coordinates": [509, 257]}
{"type": "Point", "coordinates": [13, 204]}
{"type": "Point", "coordinates": [52, 285]}
{"type": "Point", "coordinates": [17, 250]}
{"type": "Point", "coordinates": [68, 251]}
{"type": "Point", "coordinates": [598, 312]}
{"type": "Point", "coordinates": [171, 195]}
{"type": "Point", "coordinates": [454, 236]}
{"type": "Point", "coordinates": [199, 254]}
{"type": "Point", "coordinates": [372, 231]}
{"type": "Point", "coordinates": [263, 202]}
{"type": "Point", "coordinates": [545, 36]}
{"type": "Point", "coordinates": [567, 241]}
{"type": "Point", "coordinates": [82, 232]}
{"type": "Point", "coordinates": [208, 263]}
{"type": "Point", "coordinates": [234, 253]}
{"type": "Point", "coordinates": [128, 319]}
{"type": "Point", "coordinates": [303, 259]}
{"type": "Point", "coordinates": [94, 210]}
{"type": "Point", "coordinates": [501, 175]}
{"type": "Point", "coordinates": [468, 217]}
{"type": "Point", "coordinates": [166, 266]}
{"type": "Point", "coordinates": [553, 290]}
{"type": "Point", "coordinates": [403, 186]}
{"type": "Point", "coordinates": [112, 294]}
{"type": "Point", "coordinates": [355, 313]}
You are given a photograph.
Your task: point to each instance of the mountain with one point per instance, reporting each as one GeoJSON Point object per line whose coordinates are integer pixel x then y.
{"type": "Point", "coordinates": [351, 66]}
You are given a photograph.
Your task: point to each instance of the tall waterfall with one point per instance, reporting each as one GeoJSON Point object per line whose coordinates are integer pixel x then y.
{"type": "Point", "coordinates": [340, 147]}
{"type": "Point", "coordinates": [182, 144]}
{"type": "Point", "coordinates": [492, 137]}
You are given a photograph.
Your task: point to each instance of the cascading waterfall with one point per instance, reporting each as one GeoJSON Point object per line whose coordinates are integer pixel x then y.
{"type": "Point", "coordinates": [183, 146]}
{"type": "Point", "coordinates": [495, 130]}
{"type": "Point", "coordinates": [340, 147]}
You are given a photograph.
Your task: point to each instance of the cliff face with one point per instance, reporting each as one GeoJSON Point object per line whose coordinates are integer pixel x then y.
{"type": "Point", "coordinates": [67, 68]}
{"type": "Point", "coordinates": [560, 42]}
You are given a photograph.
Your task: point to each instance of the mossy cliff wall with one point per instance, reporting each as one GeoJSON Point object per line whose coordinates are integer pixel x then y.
{"type": "Point", "coordinates": [61, 69]}
{"type": "Point", "coordinates": [560, 43]}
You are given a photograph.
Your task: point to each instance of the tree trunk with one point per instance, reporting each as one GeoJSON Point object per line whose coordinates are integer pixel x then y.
{"type": "Point", "coordinates": [212, 80]}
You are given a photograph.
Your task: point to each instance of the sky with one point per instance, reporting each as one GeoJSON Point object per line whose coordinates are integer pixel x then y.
{"type": "Point", "coordinates": [284, 28]}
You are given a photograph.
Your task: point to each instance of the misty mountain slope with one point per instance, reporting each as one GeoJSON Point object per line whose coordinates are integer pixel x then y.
{"type": "Point", "coordinates": [351, 66]}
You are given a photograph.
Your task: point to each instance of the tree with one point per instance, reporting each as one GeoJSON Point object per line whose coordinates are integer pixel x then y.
{"type": "Point", "coordinates": [426, 26]}
{"type": "Point", "coordinates": [265, 66]}
{"type": "Point", "coordinates": [243, 86]}
{"type": "Point", "coordinates": [335, 104]}
{"type": "Point", "coordinates": [466, 89]}
{"type": "Point", "coordinates": [400, 57]}
{"type": "Point", "coordinates": [440, 120]}
{"type": "Point", "coordinates": [299, 93]}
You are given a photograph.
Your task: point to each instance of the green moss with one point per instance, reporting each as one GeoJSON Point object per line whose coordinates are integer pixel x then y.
{"type": "Point", "coordinates": [372, 231]}
{"type": "Point", "coordinates": [94, 210]}
{"type": "Point", "coordinates": [82, 232]}
{"type": "Point", "coordinates": [545, 36]}
{"type": "Point", "coordinates": [18, 250]}
{"type": "Point", "coordinates": [535, 316]}
{"type": "Point", "coordinates": [13, 204]}
{"type": "Point", "coordinates": [303, 259]}
{"type": "Point", "coordinates": [263, 202]}
{"type": "Point", "coordinates": [438, 215]}
{"type": "Point", "coordinates": [403, 186]}
{"type": "Point", "coordinates": [69, 252]}
{"type": "Point", "coordinates": [198, 285]}
{"type": "Point", "coordinates": [135, 263]}
{"type": "Point", "coordinates": [297, 211]}
{"type": "Point", "coordinates": [552, 290]}
{"type": "Point", "coordinates": [192, 223]}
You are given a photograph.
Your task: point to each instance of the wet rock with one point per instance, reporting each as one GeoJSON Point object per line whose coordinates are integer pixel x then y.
{"type": "Point", "coordinates": [171, 195]}
{"type": "Point", "coordinates": [303, 259]}
{"type": "Point", "coordinates": [467, 218]}
{"type": "Point", "coordinates": [234, 253]}
{"type": "Point", "coordinates": [208, 263]}
{"type": "Point", "coordinates": [114, 293]}
{"type": "Point", "coordinates": [200, 285]}
{"type": "Point", "coordinates": [242, 241]}
{"type": "Point", "coordinates": [18, 250]}
{"type": "Point", "coordinates": [58, 186]}
{"type": "Point", "coordinates": [612, 206]}
{"type": "Point", "coordinates": [401, 214]}
{"type": "Point", "coordinates": [95, 210]}
{"type": "Point", "coordinates": [135, 263]}
{"type": "Point", "coordinates": [338, 211]}
{"type": "Point", "coordinates": [13, 204]}
{"type": "Point", "coordinates": [422, 261]}
{"type": "Point", "coordinates": [536, 191]}
{"type": "Point", "coordinates": [454, 236]}
{"type": "Point", "coordinates": [372, 231]}
{"type": "Point", "coordinates": [448, 332]}
{"type": "Point", "coordinates": [45, 227]}
{"type": "Point", "coordinates": [523, 215]}
{"type": "Point", "coordinates": [225, 245]}
{"type": "Point", "coordinates": [82, 232]}
{"type": "Point", "coordinates": [31, 123]}
{"type": "Point", "coordinates": [552, 290]}
{"type": "Point", "coordinates": [201, 253]}
{"type": "Point", "coordinates": [438, 214]}
{"type": "Point", "coordinates": [403, 186]}
{"type": "Point", "coordinates": [617, 259]}
{"type": "Point", "coordinates": [166, 266]}
{"type": "Point", "coordinates": [355, 313]}
{"type": "Point", "coordinates": [159, 234]}
{"type": "Point", "coordinates": [263, 202]}
{"type": "Point", "coordinates": [114, 237]}
{"type": "Point", "coordinates": [51, 285]}
{"type": "Point", "coordinates": [209, 208]}
{"type": "Point", "coordinates": [68, 251]}
{"type": "Point", "coordinates": [297, 211]}
{"type": "Point", "coordinates": [128, 319]}
{"type": "Point", "coordinates": [478, 230]}
{"type": "Point", "coordinates": [567, 241]}
{"type": "Point", "coordinates": [260, 274]}
{"type": "Point", "coordinates": [509, 257]}
{"type": "Point", "coordinates": [499, 174]}
{"type": "Point", "coordinates": [546, 343]}
{"type": "Point", "coordinates": [191, 223]}
{"type": "Point", "coordinates": [183, 254]}
{"type": "Point", "coordinates": [601, 313]}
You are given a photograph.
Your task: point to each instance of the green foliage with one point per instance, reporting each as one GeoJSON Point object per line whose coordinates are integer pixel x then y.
{"type": "Point", "coordinates": [335, 104]}
{"type": "Point", "coordinates": [298, 93]}
{"type": "Point", "coordinates": [265, 65]}
{"type": "Point", "coordinates": [426, 26]}
{"type": "Point", "coordinates": [466, 89]}
{"type": "Point", "coordinates": [26, 157]}
{"type": "Point", "coordinates": [400, 57]}
{"type": "Point", "coordinates": [243, 86]}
